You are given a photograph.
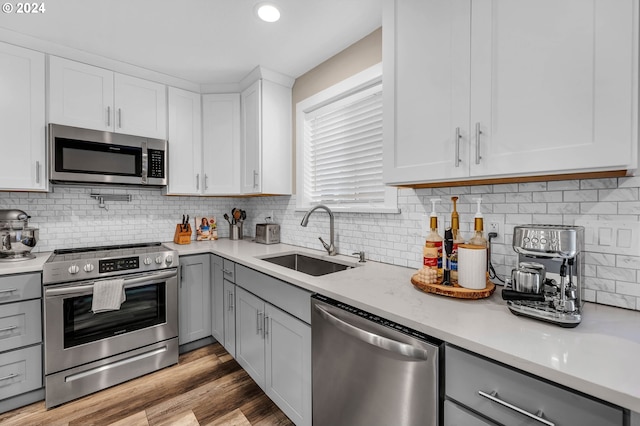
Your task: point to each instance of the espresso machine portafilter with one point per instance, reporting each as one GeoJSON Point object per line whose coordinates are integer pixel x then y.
{"type": "Point", "coordinates": [548, 281]}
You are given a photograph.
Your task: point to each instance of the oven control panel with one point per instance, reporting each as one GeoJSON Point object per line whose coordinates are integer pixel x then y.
{"type": "Point", "coordinates": [122, 264]}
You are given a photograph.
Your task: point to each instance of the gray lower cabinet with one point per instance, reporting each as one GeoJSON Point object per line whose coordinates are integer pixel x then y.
{"type": "Point", "coordinates": [273, 345]}
{"type": "Point", "coordinates": [455, 415]}
{"type": "Point", "coordinates": [194, 298]}
{"type": "Point", "coordinates": [20, 340]}
{"type": "Point", "coordinates": [223, 319]}
{"type": "Point", "coordinates": [510, 397]}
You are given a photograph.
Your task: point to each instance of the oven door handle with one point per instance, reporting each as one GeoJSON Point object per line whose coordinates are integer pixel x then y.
{"type": "Point", "coordinates": [130, 283]}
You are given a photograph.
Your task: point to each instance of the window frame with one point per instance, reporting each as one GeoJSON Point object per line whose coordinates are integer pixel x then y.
{"type": "Point", "coordinates": [354, 84]}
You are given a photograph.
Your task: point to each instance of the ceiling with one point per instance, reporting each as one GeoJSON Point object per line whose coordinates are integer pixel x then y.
{"type": "Point", "coordinates": [203, 41]}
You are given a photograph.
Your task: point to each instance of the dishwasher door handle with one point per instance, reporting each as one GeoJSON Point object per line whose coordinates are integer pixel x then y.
{"type": "Point", "coordinates": [372, 338]}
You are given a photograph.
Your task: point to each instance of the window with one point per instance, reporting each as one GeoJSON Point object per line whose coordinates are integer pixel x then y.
{"type": "Point", "coordinates": [339, 144]}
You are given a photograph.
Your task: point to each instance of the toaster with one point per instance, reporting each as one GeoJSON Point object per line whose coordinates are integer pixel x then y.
{"type": "Point", "coordinates": [267, 233]}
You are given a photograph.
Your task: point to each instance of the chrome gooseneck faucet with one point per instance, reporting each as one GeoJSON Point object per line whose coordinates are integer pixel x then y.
{"type": "Point", "coordinates": [330, 248]}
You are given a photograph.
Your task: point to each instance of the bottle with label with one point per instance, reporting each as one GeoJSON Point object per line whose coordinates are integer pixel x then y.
{"type": "Point", "coordinates": [478, 238]}
{"type": "Point", "coordinates": [432, 252]}
{"type": "Point", "coordinates": [457, 239]}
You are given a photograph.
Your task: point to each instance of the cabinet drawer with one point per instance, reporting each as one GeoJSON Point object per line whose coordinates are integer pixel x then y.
{"type": "Point", "coordinates": [229, 270]}
{"type": "Point", "coordinates": [467, 375]}
{"type": "Point", "coordinates": [20, 371]}
{"type": "Point", "coordinates": [20, 287]}
{"type": "Point", "coordinates": [287, 297]}
{"type": "Point", "coordinates": [455, 415]}
{"type": "Point", "coordinates": [20, 324]}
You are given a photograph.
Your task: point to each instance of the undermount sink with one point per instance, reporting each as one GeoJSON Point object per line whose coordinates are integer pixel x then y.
{"type": "Point", "coordinates": [308, 264]}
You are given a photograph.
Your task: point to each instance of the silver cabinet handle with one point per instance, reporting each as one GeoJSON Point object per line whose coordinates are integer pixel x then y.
{"type": "Point", "coordinates": [198, 181]}
{"type": "Point", "coordinates": [230, 301]}
{"type": "Point", "coordinates": [227, 272]}
{"type": "Point", "coordinates": [373, 339]}
{"type": "Point", "coordinates": [493, 396]}
{"type": "Point", "coordinates": [108, 116]}
{"type": "Point", "coordinates": [478, 133]}
{"type": "Point", "coordinates": [206, 182]}
{"type": "Point", "coordinates": [37, 172]}
{"type": "Point", "coordinates": [120, 118]}
{"type": "Point", "coordinates": [8, 290]}
{"type": "Point", "coordinates": [266, 326]}
{"type": "Point", "coordinates": [12, 327]}
{"type": "Point", "coordinates": [10, 376]}
{"type": "Point", "coordinates": [255, 178]}
{"type": "Point", "coordinates": [457, 160]}
{"type": "Point", "coordinates": [259, 321]}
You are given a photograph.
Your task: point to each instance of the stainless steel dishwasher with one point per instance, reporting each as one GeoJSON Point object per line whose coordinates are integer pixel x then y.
{"type": "Point", "coordinates": [371, 371]}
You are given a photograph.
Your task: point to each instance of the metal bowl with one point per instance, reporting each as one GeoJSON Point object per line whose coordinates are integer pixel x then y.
{"type": "Point", "coordinates": [18, 243]}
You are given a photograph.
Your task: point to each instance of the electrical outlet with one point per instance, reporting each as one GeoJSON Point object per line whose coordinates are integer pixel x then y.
{"type": "Point", "coordinates": [494, 227]}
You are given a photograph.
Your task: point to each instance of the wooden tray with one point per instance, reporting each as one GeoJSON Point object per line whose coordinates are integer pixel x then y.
{"type": "Point", "coordinates": [455, 290]}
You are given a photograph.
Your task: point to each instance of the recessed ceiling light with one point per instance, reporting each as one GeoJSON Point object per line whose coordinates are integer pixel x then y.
{"type": "Point", "coordinates": [268, 12]}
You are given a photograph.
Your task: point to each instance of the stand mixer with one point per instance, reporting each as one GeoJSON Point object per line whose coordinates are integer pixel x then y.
{"type": "Point", "coordinates": [548, 282]}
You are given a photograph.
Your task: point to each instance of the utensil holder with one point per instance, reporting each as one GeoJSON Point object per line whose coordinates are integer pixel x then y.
{"type": "Point", "coordinates": [235, 231]}
{"type": "Point", "coordinates": [182, 236]}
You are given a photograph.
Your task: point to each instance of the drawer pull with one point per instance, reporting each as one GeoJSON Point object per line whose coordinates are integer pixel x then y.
{"type": "Point", "coordinates": [12, 327]}
{"type": "Point", "coordinates": [493, 396]}
{"type": "Point", "coordinates": [8, 290]}
{"type": "Point", "coordinates": [10, 376]}
{"type": "Point", "coordinates": [227, 272]}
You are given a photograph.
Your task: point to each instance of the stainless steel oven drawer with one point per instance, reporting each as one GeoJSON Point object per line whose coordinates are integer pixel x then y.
{"type": "Point", "coordinates": [20, 371]}
{"type": "Point", "coordinates": [20, 287]}
{"type": "Point", "coordinates": [467, 376]}
{"type": "Point", "coordinates": [88, 378]}
{"type": "Point", "coordinates": [20, 324]}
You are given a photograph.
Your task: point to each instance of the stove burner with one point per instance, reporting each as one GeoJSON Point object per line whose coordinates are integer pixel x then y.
{"type": "Point", "coordinates": [101, 248]}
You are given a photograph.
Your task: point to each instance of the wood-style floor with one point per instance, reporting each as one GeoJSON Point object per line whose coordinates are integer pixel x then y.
{"type": "Point", "coordinates": [206, 387]}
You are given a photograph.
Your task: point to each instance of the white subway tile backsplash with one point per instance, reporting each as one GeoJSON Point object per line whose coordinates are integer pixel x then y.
{"type": "Point", "coordinates": [68, 217]}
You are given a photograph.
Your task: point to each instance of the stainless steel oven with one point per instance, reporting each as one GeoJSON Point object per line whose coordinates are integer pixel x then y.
{"type": "Point", "coordinates": [86, 351]}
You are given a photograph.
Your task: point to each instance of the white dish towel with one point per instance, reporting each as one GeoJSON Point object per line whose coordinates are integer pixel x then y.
{"type": "Point", "coordinates": [108, 295]}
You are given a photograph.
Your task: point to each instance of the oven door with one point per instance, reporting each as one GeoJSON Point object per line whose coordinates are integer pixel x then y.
{"type": "Point", "coordinates": [74, 335]}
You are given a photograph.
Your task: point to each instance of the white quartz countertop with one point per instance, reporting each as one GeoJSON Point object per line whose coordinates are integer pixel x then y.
{"type": "Point", "coordinates": [599, 357]}
{"type": "Point", "coordinates": [9, 267]}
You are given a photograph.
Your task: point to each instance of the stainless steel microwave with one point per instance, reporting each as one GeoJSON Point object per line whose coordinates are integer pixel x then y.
{"type": "Point", "coordinates": [91, 156]}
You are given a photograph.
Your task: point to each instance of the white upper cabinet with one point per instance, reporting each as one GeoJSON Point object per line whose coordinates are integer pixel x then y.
{"type": "Point", "coordinates": [185, 143]}
{"type": "Point", "coordinates": [22, 119]}
{"type": "Point", "coordinates": [140, 107]}
{"type": "Point", "coordinates": [508, 88]}
{"type": "Point", "coordinates": [266, 159]}
{"type": "Point", "coordinates": [90, 97]}
{"type": "Point", "coordinates": [221, 144]}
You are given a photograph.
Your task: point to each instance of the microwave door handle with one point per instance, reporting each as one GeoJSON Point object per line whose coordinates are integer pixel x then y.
{"type": "Point", "coordinates": [145, 162]}
{"type": "Point", "coordinates": [88, 289]}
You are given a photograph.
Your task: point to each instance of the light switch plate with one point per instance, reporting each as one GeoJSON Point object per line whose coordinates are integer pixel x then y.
{"type": "Point", "coordinates": [611, 236]}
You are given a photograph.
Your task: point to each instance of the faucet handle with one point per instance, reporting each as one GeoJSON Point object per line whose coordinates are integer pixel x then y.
{"type": "Point", "coordinates": [361, 254]}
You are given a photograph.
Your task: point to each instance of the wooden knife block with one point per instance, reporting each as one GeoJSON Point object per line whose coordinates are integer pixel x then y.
{"type": "Point", "coordinates": [182, 237]}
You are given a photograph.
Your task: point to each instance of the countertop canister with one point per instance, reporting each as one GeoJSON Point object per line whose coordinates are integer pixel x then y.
{"type": "Point", "coordinates": [472, 266]}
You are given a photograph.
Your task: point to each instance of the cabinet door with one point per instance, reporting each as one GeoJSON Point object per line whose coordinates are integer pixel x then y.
{"type": "Point", "coordinates": [250, 334]}
{"type": "Point", "coordinates": [288, 364]}
{"type": "Point", "coordinates": [195, 298]}
{"type": "Point", "coordinates": [22, 122]}
{"type": "Point", "coordinates": [426, 89]}
{"type": "Point", "coordinates": [185, 142]}
{"type": "Point", "coordinates": [221, 143]}
{"type": "Point", "coordinates": [251, 100]}
{"type": "Point", "coordinates": [217, 299]}
{"type": "Point", "coordinates": [454, 415]}
{"type": "Point", "coordinates": [553, 85]}
{"type": "Point", "coordinates": [80, 95]}
{"type": "Point", "coordinates": [230, 317]}
{"type": "Point", "coordinates": [140, 107]}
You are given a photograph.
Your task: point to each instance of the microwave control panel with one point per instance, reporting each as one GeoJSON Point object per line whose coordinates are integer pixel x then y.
{"type": "Point", "coordinates": [156, 163]}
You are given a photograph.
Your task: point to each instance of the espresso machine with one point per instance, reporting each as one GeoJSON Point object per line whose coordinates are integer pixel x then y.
{"type": "Point", "coordinates": [547, 284]}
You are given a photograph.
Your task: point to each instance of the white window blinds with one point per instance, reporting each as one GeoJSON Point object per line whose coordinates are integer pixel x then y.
{"type": "Point", "coordinates": [343, 152]}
